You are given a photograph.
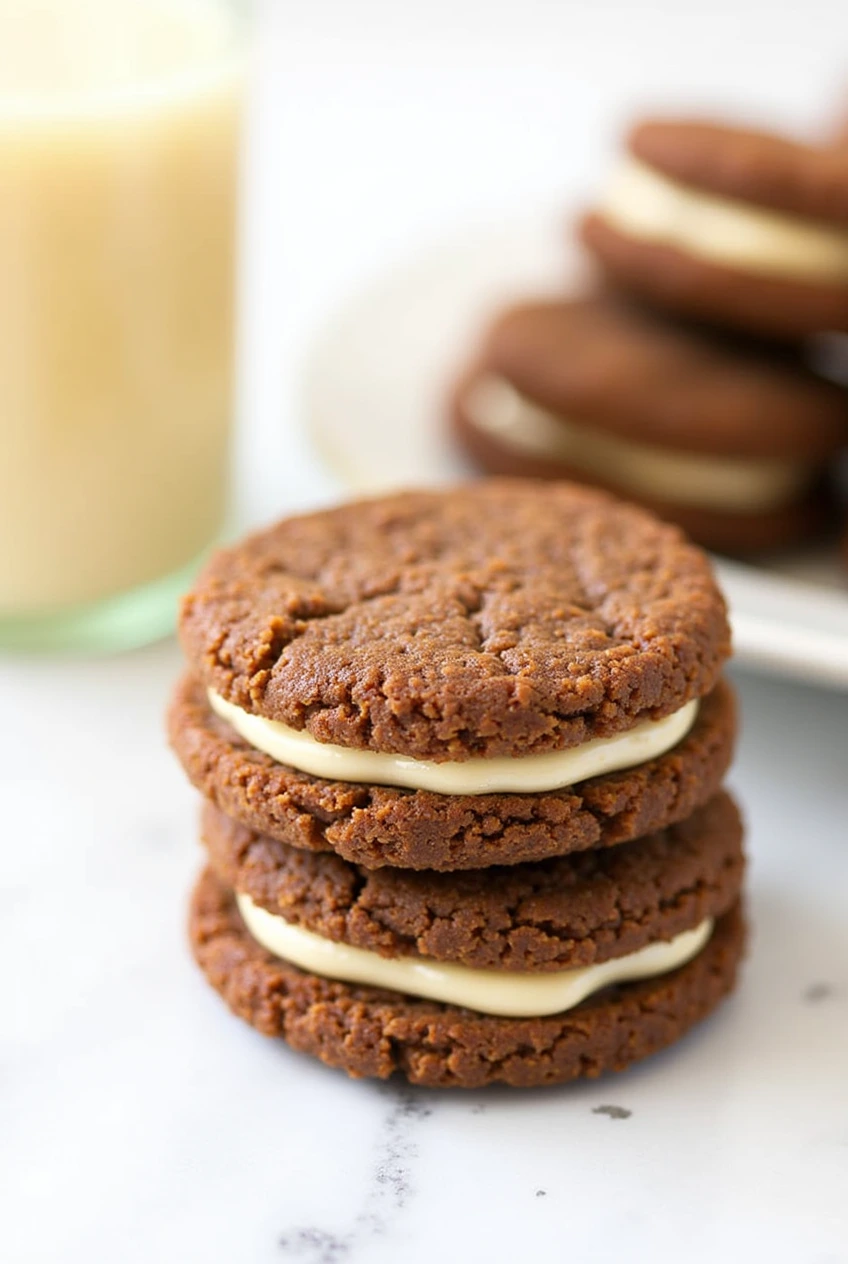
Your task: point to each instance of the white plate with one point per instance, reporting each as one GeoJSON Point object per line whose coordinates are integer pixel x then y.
{"type": "Point", "coordinates": [374, 397]}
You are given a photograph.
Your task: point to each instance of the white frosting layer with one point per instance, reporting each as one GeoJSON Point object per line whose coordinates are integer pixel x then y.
{"type": "Point", "coordinates": [644, 203]}
{"type": "Point", "coordinates": [501, 992]}
{"type": "Point", "coordinates": [678, 478]}
{"type": "Point", "coordinates": [528, 775]}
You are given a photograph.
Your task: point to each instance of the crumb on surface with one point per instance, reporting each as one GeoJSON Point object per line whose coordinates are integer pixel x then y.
{"type": "Point", "coordinates": [614, 1112]}
{"type": "Point", "coordinates": [817, 992]}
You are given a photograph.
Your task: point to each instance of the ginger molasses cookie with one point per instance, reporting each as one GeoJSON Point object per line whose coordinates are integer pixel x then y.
{"type": "Point", "coordinates": [727, 438]}
{"type": "Point", "coordinates": [588, 1021]}
{"type": "Point", "coordinates": [500, 636]}
{"type": "Point", "coordinates": [376, 825]}
{"type": "Point", "coordinates": [742, 227]}
{"type": "Point", "coordinates": [488, 674]}
{"type": "Point", "coordinates": [577, 910]}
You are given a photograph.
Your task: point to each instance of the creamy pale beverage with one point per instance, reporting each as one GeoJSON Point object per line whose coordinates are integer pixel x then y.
{"type": "Point", "coordinates": [119, 125]}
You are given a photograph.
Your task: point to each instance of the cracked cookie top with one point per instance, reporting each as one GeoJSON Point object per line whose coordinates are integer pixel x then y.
{"type": "Point", "coordinates": [500, 618]}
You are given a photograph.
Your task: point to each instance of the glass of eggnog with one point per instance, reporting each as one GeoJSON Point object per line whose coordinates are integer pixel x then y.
{"type": "Point", "coordinates": [119, 140]}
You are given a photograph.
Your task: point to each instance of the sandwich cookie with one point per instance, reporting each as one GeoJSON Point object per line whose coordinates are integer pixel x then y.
{"type": "Point", "coordinates": [497, 619]}
{"type": "Point", "coordinates": [527, 975]}
{"type": "Point", "coordinates": [498, 639]}
{"type": "Point", "coordinates": [730, 440]}
{"type": "Point", "coordinates": [576, 910]}
{"type": "Point", "coordinates": [377, 825]}
{"type": "Point", "coordinates": [727, 224]}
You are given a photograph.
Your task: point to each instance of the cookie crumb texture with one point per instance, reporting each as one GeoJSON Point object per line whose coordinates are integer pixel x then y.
{"type": "Point", "coordinates": [575, 911]}
{"type": "Point", "coordinates": [499, 618]}
{"type": "Point", "coordinates": [369, 1032]}
{"type": "Point", "coordinates": [416, 829]}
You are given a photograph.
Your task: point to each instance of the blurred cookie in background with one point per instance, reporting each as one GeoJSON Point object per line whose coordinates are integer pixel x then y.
{"type": "Point", "coordinates": [728, 439]}
{"type": "Point", "coordinates": [727, 224]}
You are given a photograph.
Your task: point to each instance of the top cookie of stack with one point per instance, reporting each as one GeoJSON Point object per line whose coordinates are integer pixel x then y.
{"type": "Point", "coordinates": [446, 681]}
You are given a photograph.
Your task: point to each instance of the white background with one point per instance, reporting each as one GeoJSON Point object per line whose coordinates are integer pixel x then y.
{"type": "Point", "coordinates": [140, 1121]}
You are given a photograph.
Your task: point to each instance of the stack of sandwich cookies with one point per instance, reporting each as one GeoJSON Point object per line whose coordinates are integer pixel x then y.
{"type": "Point", "coordinates": [524, 685]}
{"type": "Point", "coordinates": [741, 227]}
{"type": "Point", "coordinates": [728, 438]}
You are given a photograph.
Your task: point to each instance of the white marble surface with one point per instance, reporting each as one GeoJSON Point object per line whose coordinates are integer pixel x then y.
{"type": "Point", "coordinates": [141, 1122]}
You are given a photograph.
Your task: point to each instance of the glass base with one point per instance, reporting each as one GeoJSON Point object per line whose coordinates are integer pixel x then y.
{"type": "Point", "coordinates": [123, 622]}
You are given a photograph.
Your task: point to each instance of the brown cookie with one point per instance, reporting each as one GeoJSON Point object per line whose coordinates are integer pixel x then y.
{"type": "Point", "coordinates": [499, 618]}
{"type": "Point", "coordinates": [679, 282]}
{"type": "Point", "coordinates": [574, 911]}
{"type": "Point", "coordinates": [383, 825]}
{"type": "Point", "coordinates": [736, 277]}
{"type": "Point", "coordinates": [369, 1032]}
{"type": "Point", "coordinates": [599, 390]}
{"type": "Point", "coordinates": [748, 165]}
{"type": "Point", "coordinates": [625, 371]}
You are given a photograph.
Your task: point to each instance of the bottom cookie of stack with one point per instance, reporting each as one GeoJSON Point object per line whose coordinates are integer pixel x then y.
{"type": "Point", "coordinates": [667, 906]}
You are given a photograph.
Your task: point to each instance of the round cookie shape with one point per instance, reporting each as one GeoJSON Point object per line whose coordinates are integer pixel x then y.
{"type": "Point", "coordinates": [495, 619]}
{"type": "Point", "coordinates": [576, 911]}
{"type": "Point", "coordinates": [600, 361]}
{"type": "Point", "coordinates": [369, 1032]}
{"type": "Point", "coordinates": [680, 282]}
{"type": "Point", "coordinates": [737, 533]}
{"type": "Point", "coordinates": [747, 165]}
{"type": "Point", "coordinates": [383, 825]}
{"type": "Point", "coordinates": [730, 225]}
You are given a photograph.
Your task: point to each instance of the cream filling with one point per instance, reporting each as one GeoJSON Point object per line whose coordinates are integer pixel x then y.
{"type": "Point", "coordinates": [528, 774]}
{"type": "Point", "coordinates": [502, 992]}
{"type": "Point", "coordinates": [725, 484]}
{"type": "Point", "coordinates": [644, 203]}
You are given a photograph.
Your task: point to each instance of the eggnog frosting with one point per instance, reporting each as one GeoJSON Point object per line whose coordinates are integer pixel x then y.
{"type": "Point", "coordinates": [529, 774]}
{"type": "Point", "coordinates": [718, 483]}
{"type": "Point", "coordinates": [643, 202]}
{"type": "Point", "coordinates": [504, 993]}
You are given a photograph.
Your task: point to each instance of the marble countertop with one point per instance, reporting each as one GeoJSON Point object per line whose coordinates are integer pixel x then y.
{"type": "Point", "coordinates": [140, 1121]}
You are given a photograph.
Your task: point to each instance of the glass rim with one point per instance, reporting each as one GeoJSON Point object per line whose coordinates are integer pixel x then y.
{"type": "Point", "coordinates": [141, 95]}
